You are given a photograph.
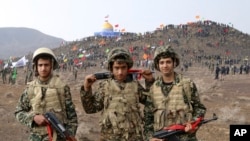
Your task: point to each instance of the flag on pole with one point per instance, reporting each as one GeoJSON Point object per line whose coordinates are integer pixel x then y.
{"type": "Point", "coordinates": [6, 65]}
{"type": "Point", "coordinates": [107, 16]}
{"type": "Point", "coordinates": [107, 50]}
{"type": "Point", "coordinates": [197, 17]}
{"type": "Point", "coordinates": [20, 63]}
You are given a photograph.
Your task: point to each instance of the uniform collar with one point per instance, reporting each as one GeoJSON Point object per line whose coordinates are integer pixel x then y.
{"type": "Point", "coordinates": [45, 82]}
{"type": "Point", "coordinates": [176, 79]}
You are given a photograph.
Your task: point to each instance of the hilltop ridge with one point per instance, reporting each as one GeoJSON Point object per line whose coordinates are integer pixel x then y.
{"type": "Point", "coordinates": [206, 39]}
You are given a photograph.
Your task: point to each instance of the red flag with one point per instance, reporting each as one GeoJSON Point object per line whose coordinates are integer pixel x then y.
{"type": "Point", "coordinates": [145, 56]}
{"type": "Point", "coordinates": [106, 17]}
{"type": "Point", "coordinates": [131, 49]}
{"type": "Point", "coordinates": [227, 52]}
{"type": "Point", "coordinates": [117, 25]}
{"type": "Point", "coordinates": [161, 43]}
{"type": "Point", "coordinates": [74, 48]}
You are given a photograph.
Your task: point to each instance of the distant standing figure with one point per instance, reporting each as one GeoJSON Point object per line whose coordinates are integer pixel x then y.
{"type": "Point", "coordinates": [4, 72]}
{"type": "Point", "coordinates": [217, 71]}
{"type": "Point", "coordinates": [75, 71]}
{"type": "Point", "coordinates": [29, 76]}
{"type": "Point", "coordinates": [14, 75]}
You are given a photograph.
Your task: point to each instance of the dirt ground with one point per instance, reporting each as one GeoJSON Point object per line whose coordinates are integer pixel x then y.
{"type": "Point", "coordinates": [228, 98]}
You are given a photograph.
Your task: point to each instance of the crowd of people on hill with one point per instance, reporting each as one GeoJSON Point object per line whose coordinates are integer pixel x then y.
{"type": "Point", "coordinates": [92, 51]}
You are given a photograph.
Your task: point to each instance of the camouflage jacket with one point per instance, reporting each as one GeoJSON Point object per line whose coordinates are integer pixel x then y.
{"type": "Point", "coordinates": [94, 102]}
{"type": "Point", "coordinates": [24, 114]}
{"type": "Point", "coordinates": [198, 108]}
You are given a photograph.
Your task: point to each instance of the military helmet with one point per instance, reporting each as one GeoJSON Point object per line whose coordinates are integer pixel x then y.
{"type": "Point", "coordinates": [165, 51]}
{"type": "Point", "coordinates": [45, 51]}
{"type": "Point", "coordinates": [119, 51]}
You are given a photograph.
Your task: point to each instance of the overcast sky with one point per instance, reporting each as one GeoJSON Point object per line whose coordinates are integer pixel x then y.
{"type": "Point", "coordinates": [75, 19]}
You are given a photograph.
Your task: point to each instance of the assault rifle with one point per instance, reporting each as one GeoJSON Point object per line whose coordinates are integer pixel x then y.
{"type": "Point", "coordinates": [58, 126]}
{"type": "Point", "coordinates": [133, 73]}
{"type": "Point", "coordinates": [168, 133]}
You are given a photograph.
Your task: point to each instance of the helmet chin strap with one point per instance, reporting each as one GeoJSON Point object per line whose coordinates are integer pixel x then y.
{"type": "Point", "coordinates": [52, 66]}
{"type": "Point", "coordinates": [35, 70]}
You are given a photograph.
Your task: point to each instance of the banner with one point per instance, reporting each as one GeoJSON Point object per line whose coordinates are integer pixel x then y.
{"type": "Point", "coordinates": [20, 63]}
{"type": "Point", "coordinates": [6, 65]}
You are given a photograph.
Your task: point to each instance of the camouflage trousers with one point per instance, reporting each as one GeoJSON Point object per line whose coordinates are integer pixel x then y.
{"type": "Point", "coordinates": [108, 135]}
{"type": "Point", "coordinates": [186, 137]}
{"type": "Point", "coordinates": [4, 79]}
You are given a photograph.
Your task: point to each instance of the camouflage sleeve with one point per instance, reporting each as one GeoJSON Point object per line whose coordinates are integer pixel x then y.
{"type": "Point", "coordinates": [198, 108]}
{"type": "Point", "coordinates": [93, 102]}
{"type": "Point", "coordinates": [148, 84]}
{"type": "Point", "coordinates": [148, 117]}
{"type": "Point", "coordinates": [22, 113]}
{"type": "Point", "coordinates": [72, 123]}
{"type": "Point", "coordinates": [144, 92]}
{"type": "Point", "coordinates": [148, 108]}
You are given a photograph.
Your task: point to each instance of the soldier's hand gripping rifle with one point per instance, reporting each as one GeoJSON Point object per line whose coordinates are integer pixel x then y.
{"type": "Point", "coordinates": [168, 133]}
{"type": "Point", "coordinates": [58, 126]}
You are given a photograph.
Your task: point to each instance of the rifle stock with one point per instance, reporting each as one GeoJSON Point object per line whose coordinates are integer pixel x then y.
{"type": "Point", "coordinates": [102, 75]}
{"type": "Point", "coordinates": [168, 132]}
{"type": "Point", "coordinates": [134, 73]}
{"type": "Point", "coordinates": [58, 126]}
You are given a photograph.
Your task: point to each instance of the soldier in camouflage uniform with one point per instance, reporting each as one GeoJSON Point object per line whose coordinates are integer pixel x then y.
{"type": "Point", "coordinates": [46, 93]}
{"type": "Point", "coordinates": [118, 98]}
{"type": "Point", "coordinates": [29, 75]}
{"type": "Point", "coordinates": [4, 73]}
{"type": "Point", "coordinates": [173, 99]}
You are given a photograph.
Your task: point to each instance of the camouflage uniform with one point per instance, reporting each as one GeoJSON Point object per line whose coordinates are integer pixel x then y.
{"type": "Point", "coordinates": [46, 96]}
{"type": "Point", "coordinates": [171, 103]}
{"type": "Point", "coordinates": [121, 118]}
{"type": "Point", "coordinates": [4, 72]}
{"type": "Point", "coordinates": [29, 76]}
